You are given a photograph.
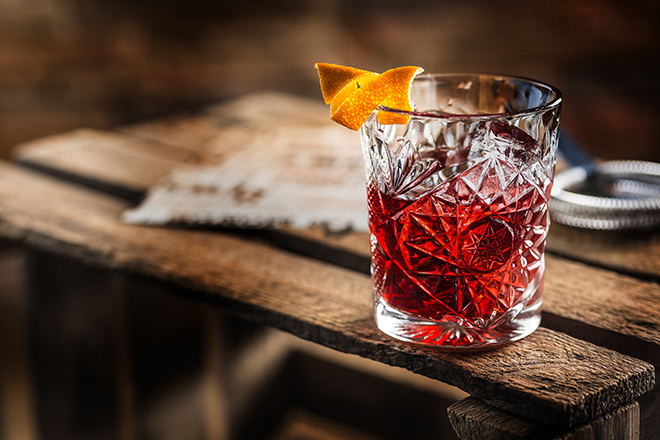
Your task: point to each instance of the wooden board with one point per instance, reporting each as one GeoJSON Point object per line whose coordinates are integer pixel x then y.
{"type": "Point", "coordinates": [637, 254]}
{"type": "Point", "coordinates": [474, 420]}
{"type": "Point", "coordinates": [549, 377]}
{"type": "Point", "coordinates": [634, 253]}
{"type": "Point", "coordinates": [93, 156]}
{"type": "Point", "coordinates": [186, 131]}
{"type": "Point", "coordinates": [628, 322]}
{"type": "Point", "coordinates": [589, 304]}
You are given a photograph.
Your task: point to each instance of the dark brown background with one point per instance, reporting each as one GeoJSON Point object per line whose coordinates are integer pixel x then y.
{"type": "Point", "coordinates": [72, 63]}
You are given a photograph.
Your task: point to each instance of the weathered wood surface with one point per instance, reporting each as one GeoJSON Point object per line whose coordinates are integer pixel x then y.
{"type": "Point", "coordinates": [475, 420]}
{"type": "Point", "coordinates": [189, 132]}
{"type": "Point", "coordinates": [84, 156]}
{"type": "Point", "coordinates": [114, 162]}
{"type": "Point", "coordinates": [624, 309]}
{"type": "Point", "coordinates": [313, 300]}
{"type": "Point", "coordinates": [628, 322]}
{"type": "Point", "coordinates": [635, 253]}
{"type": "Point", "coordinates": [601, 314]}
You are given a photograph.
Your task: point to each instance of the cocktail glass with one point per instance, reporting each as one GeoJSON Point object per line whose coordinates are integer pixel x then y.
{"type": "Point", "coordinates": [458, 209]}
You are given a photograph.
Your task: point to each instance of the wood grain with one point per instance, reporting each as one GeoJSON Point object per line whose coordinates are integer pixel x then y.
{"type": "Point", "coordinates": [628, 323]}
{"type": "Point", "coordinates": [635, 253]}
{"type": "Point", "coordinates": [604, 299]}
{"type": "Point", "coordinates": [598, 303]}
{"type": "Point", "coordinates": [113, 162]}
{"type": "Point", "coordinates": [313, 300]}
{"type": "Point", "coordinates": [135, 164]}
{"type": "Point", "coordinates": [186, 131]}
{"type": "Point", "coordinates": [473, 419]}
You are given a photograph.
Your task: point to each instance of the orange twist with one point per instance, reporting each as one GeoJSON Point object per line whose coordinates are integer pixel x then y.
{"type": "Point", "coordinates": [353, 94]}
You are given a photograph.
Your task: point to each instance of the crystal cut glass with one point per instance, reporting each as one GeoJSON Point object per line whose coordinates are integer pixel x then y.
{"type": "Point", "coordinates": [458, 209]}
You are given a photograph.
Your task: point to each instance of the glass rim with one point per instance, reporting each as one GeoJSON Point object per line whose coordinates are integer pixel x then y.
{"type": "Point", "coordinates": [554, 103]}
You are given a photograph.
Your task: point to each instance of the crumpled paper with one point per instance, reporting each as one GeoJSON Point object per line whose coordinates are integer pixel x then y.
{"type": "Point", "coordinates": [277, 161]}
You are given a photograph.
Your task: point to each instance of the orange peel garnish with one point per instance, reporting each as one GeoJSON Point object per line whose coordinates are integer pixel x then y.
{"type": "Point", "coordinates": [353, 94]}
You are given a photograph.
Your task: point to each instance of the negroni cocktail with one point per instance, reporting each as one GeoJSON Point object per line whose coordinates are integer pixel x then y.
{"type": "Point", "coordinates": [459, 169]}
{"type": "Point", "coordinates": [458, 209]}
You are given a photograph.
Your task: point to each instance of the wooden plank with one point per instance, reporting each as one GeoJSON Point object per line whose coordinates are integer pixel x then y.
{"type": "Point", "coordinates": [613, 320]}
{"type": "Point", "coordinates": [607, 309]}
{"type": "Point", "coordinates": [270, 108]}
{"type": "Point", "coordinates": [635, 253]}
{"type": "Point", "coordinates": [614, 303]}
{"type": "Point", "coordinates": [186, 131]}
{"type": "Point", "coordinates": [473, 419]}
{"type": "Point", "coordinates": [132, 165]}
{"type": "Point", "coordinates": [113, 162]}
{"type": "Point", "coordinates": [636, 315]}
{"type": "Point", "coordinates": [549, 376]}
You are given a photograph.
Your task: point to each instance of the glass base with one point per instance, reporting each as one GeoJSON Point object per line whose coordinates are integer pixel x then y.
{"type": "Point", "coordinates": [455, 335]}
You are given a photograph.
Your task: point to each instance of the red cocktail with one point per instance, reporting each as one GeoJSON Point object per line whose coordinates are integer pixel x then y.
{"type": "Point", "coordinates": [458, 211]}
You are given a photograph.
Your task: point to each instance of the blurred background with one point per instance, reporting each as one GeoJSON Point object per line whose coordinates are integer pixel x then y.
{"type": "Point", "coordinates": [66, 64]}
{"type": "Point", "coordinates": [72, 63]}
